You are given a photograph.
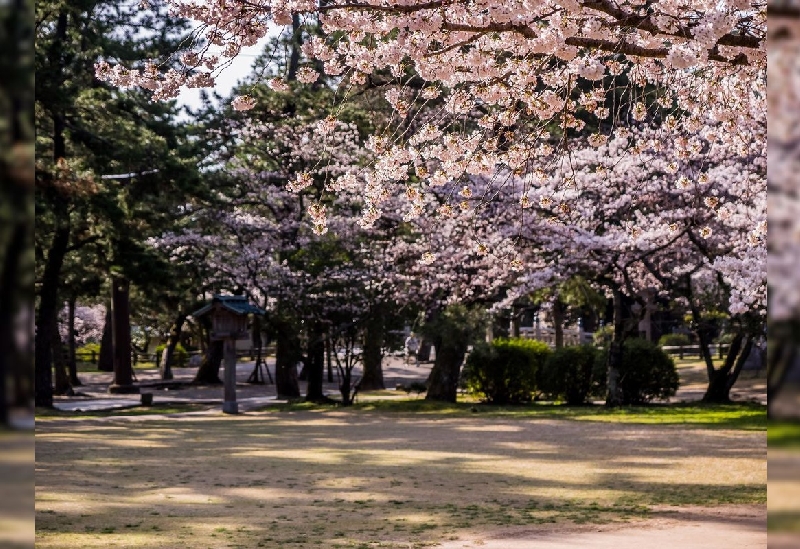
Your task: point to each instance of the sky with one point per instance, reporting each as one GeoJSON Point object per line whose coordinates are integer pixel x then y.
{"type": "Point", "coordinates": [239, 68]}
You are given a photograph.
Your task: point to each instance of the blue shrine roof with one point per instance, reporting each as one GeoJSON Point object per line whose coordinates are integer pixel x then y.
{"type": "Point", "coordinates": [234, 303]}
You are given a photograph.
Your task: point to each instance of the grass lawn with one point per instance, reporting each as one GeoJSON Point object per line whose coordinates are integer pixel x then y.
{"type": "Point", "coordinates": [383, 474]}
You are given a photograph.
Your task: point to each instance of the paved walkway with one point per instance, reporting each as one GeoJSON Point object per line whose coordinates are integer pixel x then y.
{"type": "Point", "coordinates": [93, 395]}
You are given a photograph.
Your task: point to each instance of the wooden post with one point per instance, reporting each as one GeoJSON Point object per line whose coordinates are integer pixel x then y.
{"type": "Point", "coordinates": [229, 404]}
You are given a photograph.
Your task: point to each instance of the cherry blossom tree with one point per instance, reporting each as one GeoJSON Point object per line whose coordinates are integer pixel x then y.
{"type": "Point", "coordinates": [534, 71]}
{"type": "Point", "coordinates": [664, 220]}
{"type": "Point", "coordinates": [508, 94]}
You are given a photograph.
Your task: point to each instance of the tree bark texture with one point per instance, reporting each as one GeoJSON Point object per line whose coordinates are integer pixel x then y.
{"type": "Point", "coordinates": [723, 379]}
{"type": "Point", "coordinates": [208, 371]}
{"type": "Point", "coordinates": [443, 379]}
{"type": "Point", "coordinates": [315, 364]}
{"type": "Point", "coordinates": [287, 354]}
{"type": "Point", "coordinates": [614, 397]}
{"type": "Point", "coordinates": [168, 358]}
{"type": "Point", "coordinates": [105, 360]}
{"type": "Point", "coordinates": [372, 380]}
{"type": "Point", "coordinates": [72, 360]}
{"type": "Point", "coordinates": [558, 322]}
{"type": "Point", "coordinates": [46, 327]}
{"type": "Point", "coordinates": [9, 354]}
{"type": "Point", "coordinates": [121, 331]}
{"type": "Point", "coordinates": [62, 386]}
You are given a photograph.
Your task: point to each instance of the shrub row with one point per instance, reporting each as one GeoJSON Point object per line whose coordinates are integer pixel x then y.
{"type": "Point", "coordinates": [505, 371]}
{"type": "Point", "coordinates": [511, 371]}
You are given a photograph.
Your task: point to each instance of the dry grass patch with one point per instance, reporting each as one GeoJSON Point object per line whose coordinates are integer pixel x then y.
{"type": "Point", "coordinates": [348, 479]}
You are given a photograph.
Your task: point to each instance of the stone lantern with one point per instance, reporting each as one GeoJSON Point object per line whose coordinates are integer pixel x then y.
{"type": "Point", "coordinates": [228, 315]}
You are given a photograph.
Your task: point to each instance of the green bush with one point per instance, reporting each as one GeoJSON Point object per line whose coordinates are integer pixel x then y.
{"type": "Point", "coordinates": [569, 374]}
{"type": "Point", "coordinates": [505, 371]}
{"type": "Point", "coordinates": [646, 372]}
{"type": "Point", "coordinates": [180, 358]}
{"type": "Point", "coordinates": [674, 340]}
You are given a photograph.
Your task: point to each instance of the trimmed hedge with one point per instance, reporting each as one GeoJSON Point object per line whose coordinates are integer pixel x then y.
{"type": "Point", "coordinates": [569, 374]}
{"type": "Point", "coordinates": [505, 371]}
{"type": "Point", "coordinates": [646, 372]}
{"type": "Point", "coordinates": [674, 340]}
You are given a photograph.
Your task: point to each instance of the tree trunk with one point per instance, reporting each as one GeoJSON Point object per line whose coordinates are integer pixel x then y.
{"type": "Point", "coordinates": [328, 353]}
{"type": "Point", "coordinates": [46, 326]}
{"type": "Point", "coordinates": [62, 386]}
{"type": "Point", "coordinates": [723, 379]}
{"type": "Point", "coordinates": [105, 361]}
{"type": "Point", "coordinates": [514, 328]}
{"type": "Point", "coordinates": [297, 43]}
{"type": "Point", "coordinates": [315, 365]}
{"type": "Point", "coordinates": [286, 357]}
{"type": "Point", "coordinates": [121, 331]}
{"type": "Point", "coordinates": [558, 322]}
{"type": "Point", "coordinates": [614, 397]}
{"type": "Point", "coordinates": [208, 371]}
{"type": "Point", "coordinates": [8, 309]}
{"type": "Point", "coordinates": [372, 380]}
{"type": "Point", "coordinates": [72, 361]}
{"type": "Point", "coordinates": [781, 355]}
{"type": "Point", "coordinates": [168, 356]}
{"type": "Point", "coordinates": [443, 379]}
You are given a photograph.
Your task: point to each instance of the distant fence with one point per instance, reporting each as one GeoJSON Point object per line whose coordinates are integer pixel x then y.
{"type": "Point", "coordinates": [572, 336]}
{"type": "Point", "coordinates": [92, 357]}
{"type": "Point", "coordinates": [694, 350]}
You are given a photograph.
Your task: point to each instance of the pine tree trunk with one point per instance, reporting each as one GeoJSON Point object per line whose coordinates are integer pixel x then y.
{"type": "Point", "coordinates": [46, 326]}
{"type": "Point", "coordinates": [8, 309]}
{"type": "Point", "coordinates": [62, 386]}
{"type": "Point", "coordinates": [121, 331]}
{"type": "Point", "coordinates": [72, 360]}
{"type": "Point", "coordinates": [372, 380]}
{"type": "Point", "coordinates": [105, 360]}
